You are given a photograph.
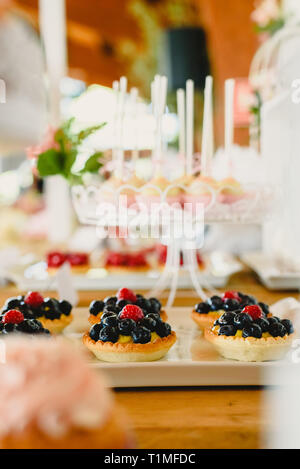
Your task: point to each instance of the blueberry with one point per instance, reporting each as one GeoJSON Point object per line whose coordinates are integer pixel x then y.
{"type": "Point", "coordinates": [227, 318]}
{"type": "Point", "coordinates": [96, 307]}
{"type": "Point", "coordinates": [30, 326]}
{"type": "Point", "coordinates": [111, 321]}
{"type": "Point", "coordinates": [252, 330]}
{"type": "Point", "coordinates": [154, 316]}
{"type": "Point", "coordinates": [273, 320]}
{"type": "Point", "coordinates": [122, 303]}
{"type": "Point", "coordinates": [277, 330]}
{"type": "Point", "coordinates": [228, 330]}
{"type": "Point", "coordinates": [202, 308]}
{"type": "Point", "coordinates": [215, 303]}
{"type": "Point", "coordinates": [50, 308]}
{"type": "Point", "coordinates": [1, 326]}
{"type": "Point", "coordinates": [141, 335]}
{"type": "Point", "coordinates": [247, 300]}
{"type": "Point", "coordinates": [12, 303]}
{"type": "Point", "coordinates": [111, 309]}
{"type": "Point", "coordinates": [148, 323]}
{"type": "Point", "coordinates": [65, 307]}
{"type": "Point", "coordinates": [144, 304]}
{"type": "Point", "coordinates": [263, 324]}
{"type": "Point", "coordinates": [95, 331]}
{"type": "Point", "coordinates": [288, 325]}
{"type": "Point", "coordinates": [231, 304]}
{"type": "Point", "coordinates": [9, 328]}
{"type": "Point", "coordinates": [109, 334]}
{"type": "Point", "coordinates": [163, 329]}
{"type": "Point", "coordinates": [126, 326]}
{"type": "Point", "coordinates": [242, 320]}
{"type": "Point", "coordinates": [264, 307]}
{"type": "Point", "coordinates": [108, 314]}
{"type": "Point", "coordinates": [110, 300]}
{"type": "Point", "coordinates": [155, 305]}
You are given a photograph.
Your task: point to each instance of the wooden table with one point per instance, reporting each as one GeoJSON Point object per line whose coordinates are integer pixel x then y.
{"type": "Point", "coordinates": [195, 417]}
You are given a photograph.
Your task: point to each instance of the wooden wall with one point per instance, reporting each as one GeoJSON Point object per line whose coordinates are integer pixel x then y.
{"type": "Point", "coordinates": [97, 27]}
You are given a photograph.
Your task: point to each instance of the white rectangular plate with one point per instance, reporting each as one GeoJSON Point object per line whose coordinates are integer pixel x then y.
{"type": "Point", "coordinates": [192, 361]}
{"type": "Point", "coordinates": [270, 273]}
{"type": "Point", "coordinates": [219, 267]}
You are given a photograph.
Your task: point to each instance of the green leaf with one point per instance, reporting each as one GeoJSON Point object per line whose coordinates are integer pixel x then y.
{"type": "Point", "coordinates": [84, 134]}
{"type": "Point", "coordinates": [50, 163]}
{"type": "Point", "coordinates": [69, 160]}
{"type": "Point", "coordinates": [92, 165]}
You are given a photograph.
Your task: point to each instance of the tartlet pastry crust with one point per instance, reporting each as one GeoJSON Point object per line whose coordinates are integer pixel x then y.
{"type": "Point", "coordinates": [205, 321]}
{"type": "Point", "coordinates": [130, 352]}
{"type": "Point", "coordinates": [56, 326]}
{"type": "Point", "coordinates": [250, 349]}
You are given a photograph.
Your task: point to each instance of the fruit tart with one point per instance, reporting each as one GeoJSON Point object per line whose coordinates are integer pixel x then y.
{"type": "Point", "coordinates": [206, 312]}
{"type": "Point", "coordinates": [248, 335]}
{"type": "Point", "coordinates": [53, 314]}
{"type": "Point", "coordinates": [79, 262]}
{"type": "Point", "coordinates": [50, 398]}
{"type": "Point", "coordinates": [13, 321]}
{"type": "Point", "coordinates": [124, 297]}
{"type": "Point", "coordinates": [130, 336]}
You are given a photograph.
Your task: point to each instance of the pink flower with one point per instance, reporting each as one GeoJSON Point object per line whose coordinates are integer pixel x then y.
{"type": "Point", "coordinates": [49, 142]}
{"type": "Point", "coordinates": [266, 11]}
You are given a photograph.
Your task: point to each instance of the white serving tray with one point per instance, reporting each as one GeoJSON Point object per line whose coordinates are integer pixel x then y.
{"type": "Point", "coordinates": [273, 275]}
{"type": "Point", "coordinates": [192, 361]}
{"type": "Point", "coordinates": [219, 267]}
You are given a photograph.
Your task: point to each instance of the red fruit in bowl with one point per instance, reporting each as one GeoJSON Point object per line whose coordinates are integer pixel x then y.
{"type": "Point", "coordinates": [56, 259]}
{"type": "Point", "coordinates": [34, 298]}
{"type": "Point", "coordinates": [131, 312]}
{"type": "Point", "coordinates": [233, 295]}
{"type": "Point", "coordinates": [114, 259]}
{"type": "Point", "coordinates": [13, 317]}
{"type": "Point", "coordinates": [254, 311]}
{"type": "Point", "coordinates": [137, 260]}
{"type": "Point", "coordinates": [78, 258]}
{"type": "Point", "coordinates": [126, 294]}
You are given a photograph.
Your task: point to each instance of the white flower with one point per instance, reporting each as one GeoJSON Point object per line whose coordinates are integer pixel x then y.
{"type": "Point", "coordinates": [266, 11]}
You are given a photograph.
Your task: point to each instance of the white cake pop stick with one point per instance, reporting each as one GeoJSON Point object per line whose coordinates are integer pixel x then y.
{"type": "Point", "coordinates": [115, 87]}
{"type": "Point", "coordinates": [207, 127]}
{"type": "Point", "coordinates": [189, 126]}
{"type": "Point", "coordinates": [229, 117]}
{"type": "Point", "coordinates": [134, 103]}
{"type": "Point", "coordinates": [120, 157]}
{"type": "Point", "coordinates": [181, 118]}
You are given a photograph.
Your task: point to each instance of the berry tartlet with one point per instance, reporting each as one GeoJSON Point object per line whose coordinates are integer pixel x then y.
{"type": "Point", "coordinates": [53, 314]}
{"type": "Point", "coordinates": [248, 335]}
{"type": "Point", "coordinates": [13, 321]}
{"type": "Point", "coordinates": [124, 297]}
{"type": "Point", "coordinates": [79, 262]}
{"type": "Point", "coordinates": [130, 336]}
{"type": "Point", "coordinates": [206, 312]}
{"type": "Point", "coordinates": [51, 399]}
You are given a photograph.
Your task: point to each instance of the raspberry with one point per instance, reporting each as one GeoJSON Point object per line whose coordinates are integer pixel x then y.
{"type": "Point", "coordinates": [254, 311]}
{"type": "Point", "coordinates": [13, 317]}
{"type": "Point", "coordinates": [126, 294]}
{"type": "Point", "coordinates": [33, 298]}
{"type": "Point", "coordinates": [131, 312]}
{"type": "Point", "coordinates": [78, 258]}
{"type": "Point", "coordinates": [56, 259]}
{"type": "Point", "coordinates": [233, 295]}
